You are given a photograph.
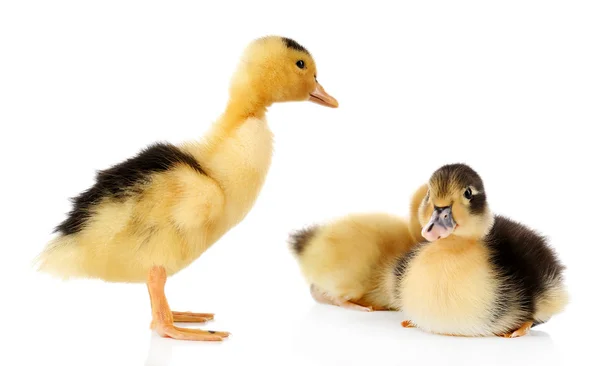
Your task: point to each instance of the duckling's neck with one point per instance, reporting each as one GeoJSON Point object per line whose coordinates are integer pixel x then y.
{"type": "Point", "coordinates": [237, 152]}
{"type": "Point", "coordinates": [247, 99]}
{"type": "Point", "coordinates": [244, 104]}
{"type": "Point", "coordinates": [455, 241]}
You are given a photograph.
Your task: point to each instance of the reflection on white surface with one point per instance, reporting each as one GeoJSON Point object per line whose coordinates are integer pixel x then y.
{"type": "Point", "coordinates": [166, 351]}
{"type": "Point", "coordinates": [342, 336]}
{"type": "Point", "coordinates": [294, 332]}
{"type": "Point", "coordinates": [327, 335]}
{"type": "Point", "coordinates": [160, 351]}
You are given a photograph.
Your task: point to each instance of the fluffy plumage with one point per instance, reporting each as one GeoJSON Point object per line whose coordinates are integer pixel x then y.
{"type": "Point", "coordinates": [300, 238]}
{"type": "Point", "coordinates": [290, 43]}
{"type": "Point", "coordinates": [125, 179]}
{"type": "Point", "coordinates": [526, 264]}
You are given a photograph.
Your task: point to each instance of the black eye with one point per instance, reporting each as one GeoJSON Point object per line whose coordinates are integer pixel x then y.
{"type": "Point", "coordinates": [300, 64]}
{"type": "Point", "coordinates": [468, 194]}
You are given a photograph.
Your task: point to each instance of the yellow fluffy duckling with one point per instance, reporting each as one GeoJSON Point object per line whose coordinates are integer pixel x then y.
{"type": "Point", "coordinates": [153, 214]}
{"type": "Point", "coordinates": [479, 274]}
{"type": "Point", "coordinates": [347, 261]}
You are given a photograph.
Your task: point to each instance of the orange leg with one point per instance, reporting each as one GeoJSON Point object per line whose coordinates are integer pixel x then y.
{"type": "Point", "coordinates": [523, 330]}
{"type": "Point", "coordinates": [323, 298]}
{"type": "Point", "coordinates": [163, 317]}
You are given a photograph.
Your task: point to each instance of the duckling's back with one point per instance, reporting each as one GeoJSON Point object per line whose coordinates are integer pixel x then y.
{"type": "Point", "coordinates": [527, 265]}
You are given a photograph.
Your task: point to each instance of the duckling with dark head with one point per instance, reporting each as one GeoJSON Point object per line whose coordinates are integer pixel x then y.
{"type": "Point", "coordinates": [478, 274]}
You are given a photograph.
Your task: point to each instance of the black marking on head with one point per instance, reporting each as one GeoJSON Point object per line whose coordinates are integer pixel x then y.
{"type": "Point", "coordinates": [290, 43]}
{"type": "Point", "coordinates": [450, 175]}
{"type": "Point", "coordinates": [212, 331]}
{"type": "Point", "coordinates": [526, 267]}
{"type": "Point", "coordinates": [299, 239]}
{"type": "Point", "coordinates": [460, 175]}
{"type": "Point", "coordinates": [123, 180]}
{"type": "Point", "coordinates": [477, 204]}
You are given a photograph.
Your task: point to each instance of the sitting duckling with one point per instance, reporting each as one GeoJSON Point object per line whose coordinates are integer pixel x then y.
{"type": "Point", "coordinates": [480, 274]}
{"type": "Point", "coordinates": [346, 261]}
{"type": "Point", "coordinates": [152, 215]}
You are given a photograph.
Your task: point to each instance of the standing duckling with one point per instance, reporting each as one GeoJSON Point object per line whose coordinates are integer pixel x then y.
{"type": "Point", "coordinates": [347, 261]}
{"type": "Point", "coordinates": [480, 274]}
{"type": "Point", "coordinates": [152, 215]}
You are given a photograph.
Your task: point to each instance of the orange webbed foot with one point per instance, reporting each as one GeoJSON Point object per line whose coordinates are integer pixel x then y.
{"type": "Point", "coordinates": [408, 324]}
{"type": "Point", "coordinates": [523, 330]}
{"type": "Point", "coordinates": [187, 334]}
{"type": "Point", "coordinates": [188, 317]}
{"type": "Point", "coordinates": [324, 298]}
{"type": "Point", "coordinates": [163, 318]}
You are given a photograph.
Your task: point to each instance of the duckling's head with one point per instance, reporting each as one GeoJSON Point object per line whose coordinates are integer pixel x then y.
{"type": "Point", "coordinates": [455, 204]}
{"type": "Point", "coordinates": [278, 69]}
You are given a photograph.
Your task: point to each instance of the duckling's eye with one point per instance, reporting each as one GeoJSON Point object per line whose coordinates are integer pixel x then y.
{"type": "Point", "coordinates": [300, 64]}
{"type": "Point", "coordinates": [468, 194]}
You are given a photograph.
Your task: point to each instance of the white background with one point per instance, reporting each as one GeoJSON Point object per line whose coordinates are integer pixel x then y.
{"type": "Point", "coordinates": [511, 88]}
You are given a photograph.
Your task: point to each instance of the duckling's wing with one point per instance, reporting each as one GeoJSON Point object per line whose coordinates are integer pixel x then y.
{"type": "Point", "coordinates": [124, 180]}
{"type": "Point", "coordinates": [135, 215]}
{"type": "Point", "coordinates": [528, 268]}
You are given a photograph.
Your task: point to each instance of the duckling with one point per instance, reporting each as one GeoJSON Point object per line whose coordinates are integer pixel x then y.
{"type": "Point", "coordinates": [150, 216]}
{"type": "Point", "coordinates": [478, 274]}
{"type": "Point", "coordinates": [346, 260]}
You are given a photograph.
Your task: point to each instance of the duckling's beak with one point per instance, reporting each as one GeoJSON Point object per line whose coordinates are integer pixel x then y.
{"type": "Point", "coordinates": [320, 96]}
{"type": "Point", "coordinates": [441, 224]}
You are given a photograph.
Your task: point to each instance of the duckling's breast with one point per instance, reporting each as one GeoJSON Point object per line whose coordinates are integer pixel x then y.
{"type": "Point", "coordinates": [449, 287]}
{"type": "Point", "coordinates": [240, 165]}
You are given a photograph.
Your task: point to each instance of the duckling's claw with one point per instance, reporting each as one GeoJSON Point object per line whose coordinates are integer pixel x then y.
{"type": "Point", "coordinates": [408, 324]}
{"type": "Point", "coordinates": [523, 330]}
{"type": "Point", "coordinates": [187, 317]}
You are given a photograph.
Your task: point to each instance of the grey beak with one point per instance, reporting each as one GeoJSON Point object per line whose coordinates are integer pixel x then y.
{"type": "Point", "coordinates": [443, 217]}
{"type": "Point", "coordinates": [440, 225]}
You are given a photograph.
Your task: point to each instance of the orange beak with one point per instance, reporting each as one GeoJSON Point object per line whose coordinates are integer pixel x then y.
{"type": "Point", "coordinates": [320, 96]}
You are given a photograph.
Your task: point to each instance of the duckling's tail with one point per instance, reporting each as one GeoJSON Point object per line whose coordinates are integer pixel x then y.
{"type": "Point", "coordinates": [551, 302]}
{"type": "Point", "coordinates": [61, 258]}
{"type": "Point", "coordinates": [299, 240]}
